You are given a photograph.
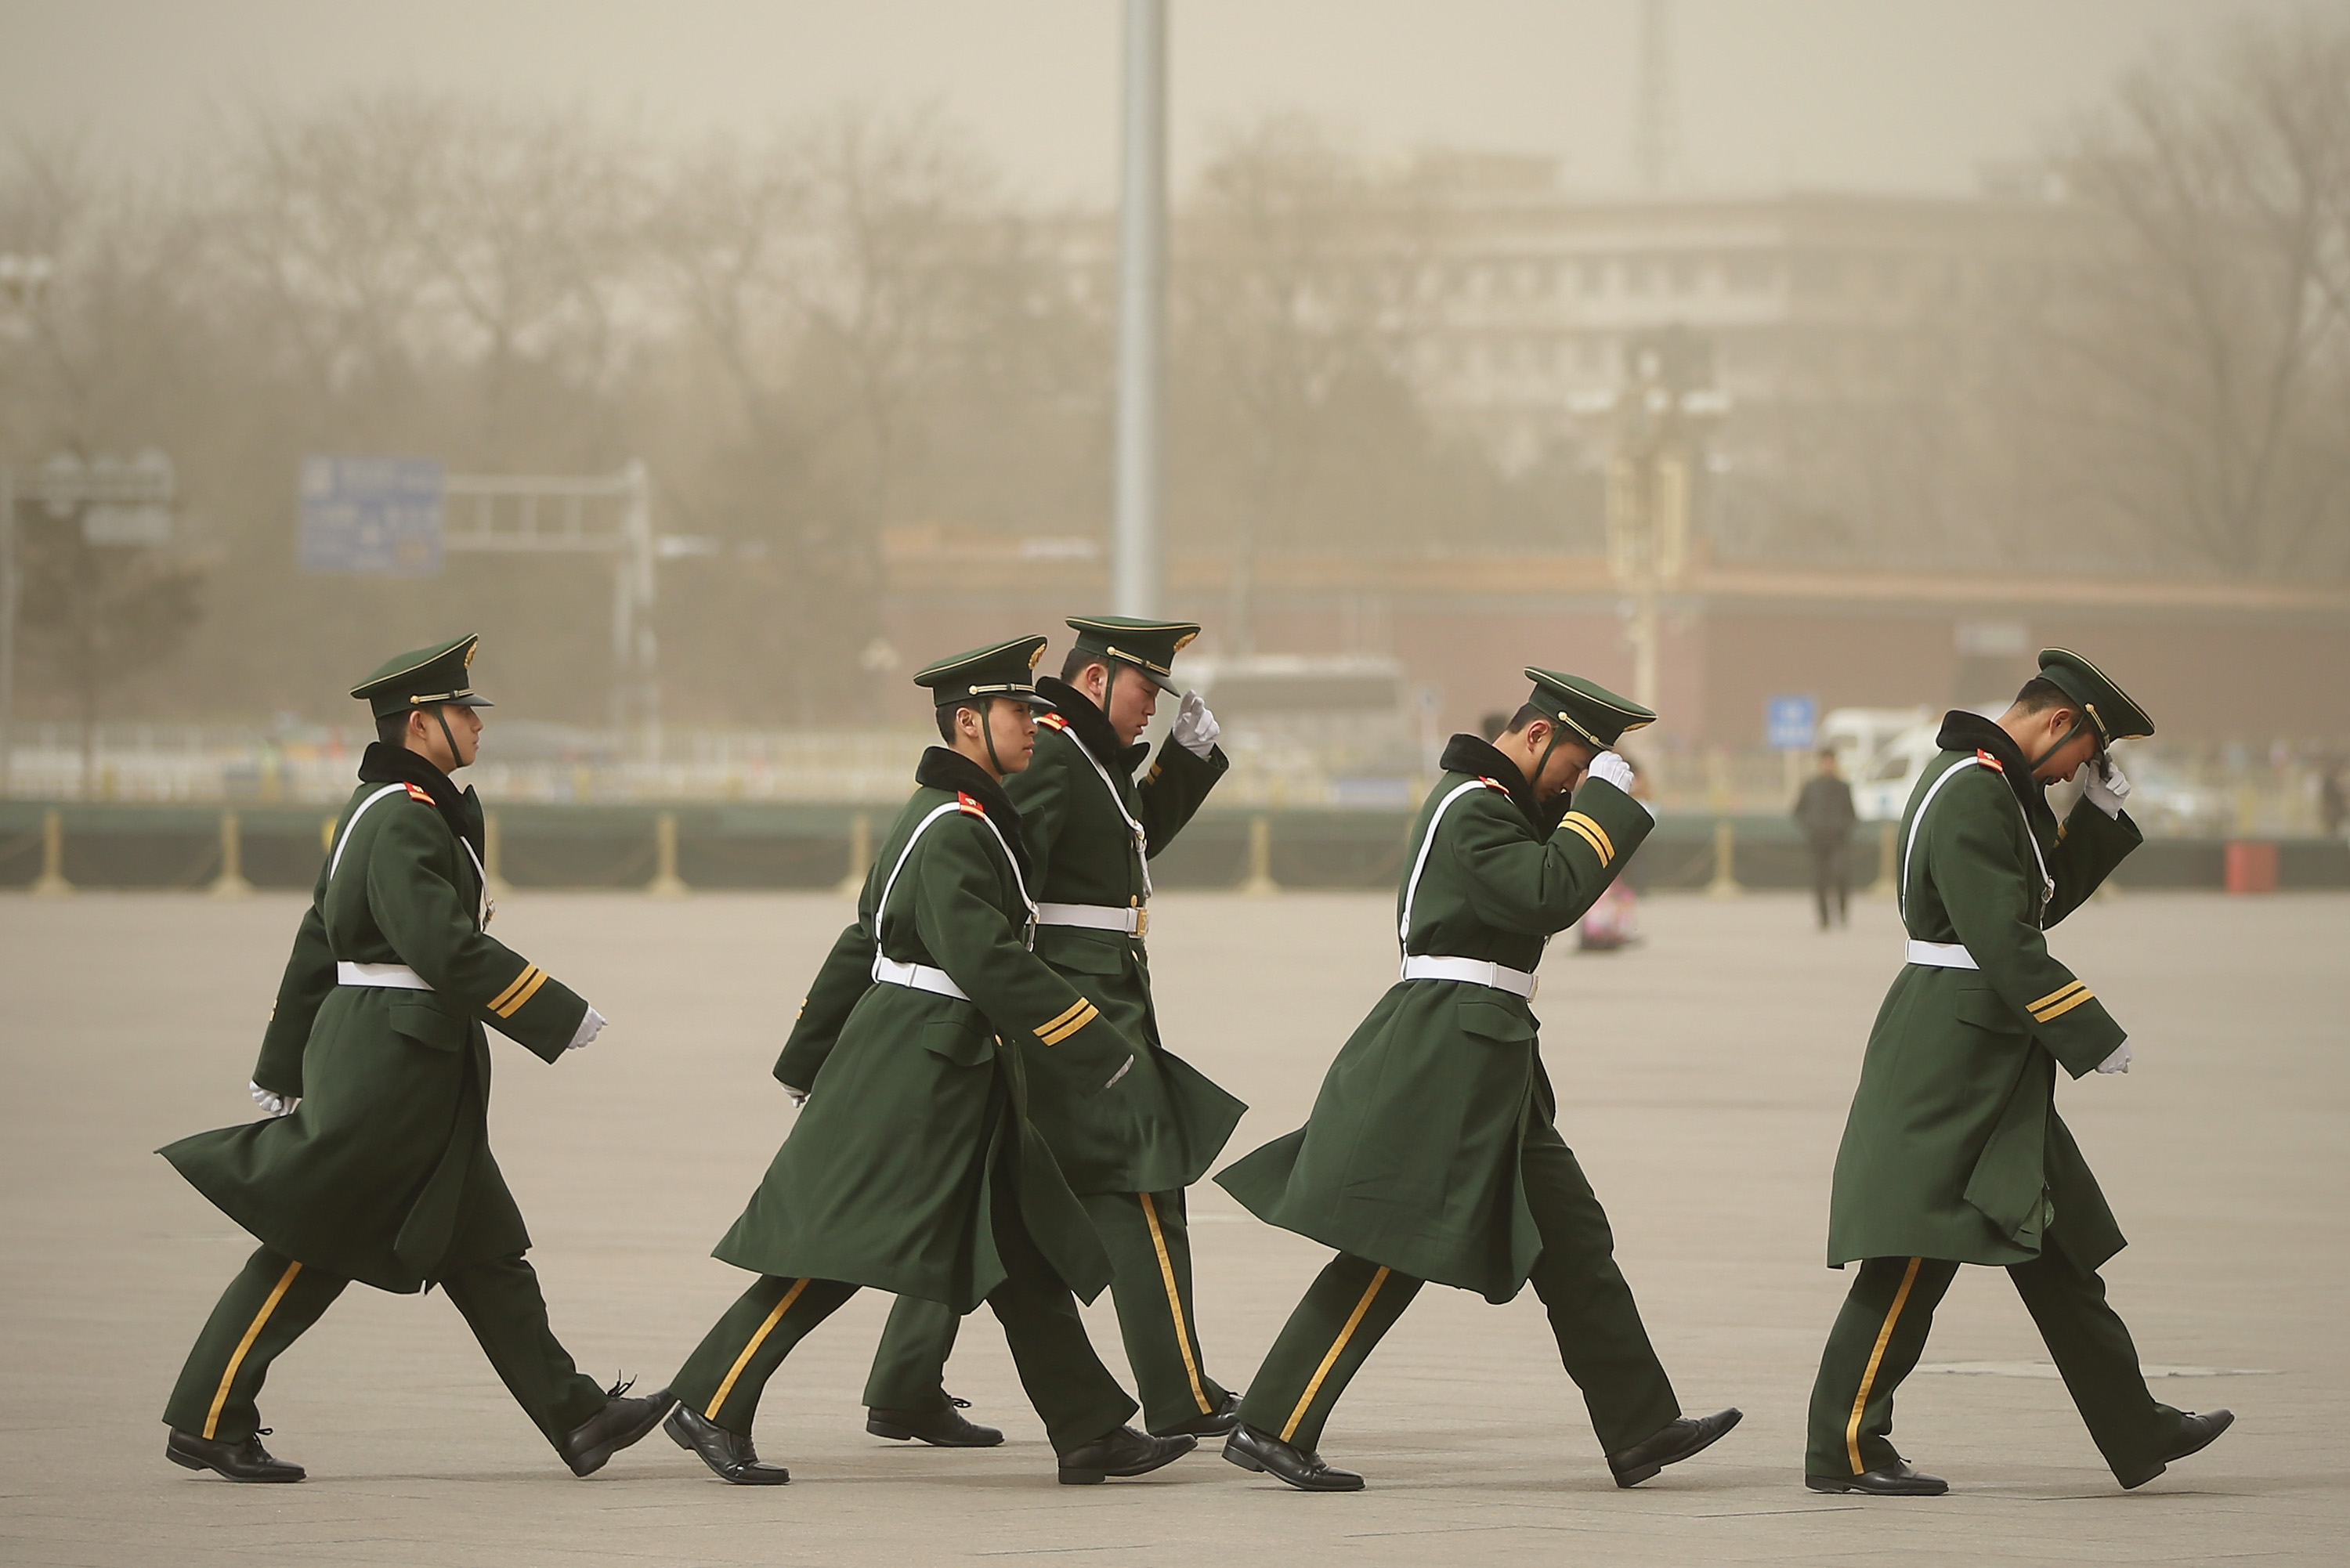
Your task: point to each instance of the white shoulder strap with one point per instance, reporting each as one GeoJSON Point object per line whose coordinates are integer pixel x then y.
{"type": "Point", "coordinates": [1141, 839]}
{"type": "Point", "coordinates": [881, 908]}
{"type": "Point", "coordinates": [336, 860]}
{"type": "Point", "coordinates": [1918, 820]}
{"type": "Point", "coordinates": [1411, 885]}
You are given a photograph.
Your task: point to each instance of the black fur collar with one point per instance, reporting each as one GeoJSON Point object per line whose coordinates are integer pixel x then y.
{"type": "Point", "coordinates": [1091, 725]}
{"type": "Point", "coordinates": [941, 768]}
{"type": "Point", "coordinates": [1468, 755]}
{"type": "Point", "coordinates": [381, 764]}
{"type": "Point", "coordinates": [1969, 731]}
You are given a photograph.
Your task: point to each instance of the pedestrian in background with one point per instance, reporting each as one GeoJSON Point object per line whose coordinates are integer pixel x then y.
{"type": "Point", "coordinates": [1823, 811]}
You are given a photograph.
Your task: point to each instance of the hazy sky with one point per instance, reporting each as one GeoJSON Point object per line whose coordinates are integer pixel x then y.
{"type": "Point", "coordinates": [1884, 94]}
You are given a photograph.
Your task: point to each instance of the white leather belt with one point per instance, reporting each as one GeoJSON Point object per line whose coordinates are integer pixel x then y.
{"type": "Point", "coordinates": [389, 976]}
{"type": "Point", "coordinates": [1472, 972]}
{"type": "Point", "coordinates": [1095, 918]}
{"type": "Point", "coordinates": [916, 977]}
{"type": "Point", "coordinates": [1941, 955]}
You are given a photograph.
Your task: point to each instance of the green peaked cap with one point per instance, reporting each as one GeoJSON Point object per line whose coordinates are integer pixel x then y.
{"type": "Point", "coordinates": [1150, 646]}
{"type": "Point", "coordinates": [2107, 706]}
{"type": "Point", "coordinates": [421, 677]}
{"type": "Point", "coordinates": [999, 670]}
{"type": "Point", "coordinates": [1588, 710]}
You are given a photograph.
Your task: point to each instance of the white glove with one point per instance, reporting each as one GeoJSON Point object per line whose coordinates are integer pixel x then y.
{"type": "Point", "coordinates": [1611, 767]}
{"type": "Point", "coordinates": [2119, 1062]}
{"type": "Point", "coordinates": [1195, 728]}
{"type": "Point", "coordinates": [589, 1027]}
{"type": "Point", "coordinates": [2107, 790]}
{"type": "Point", "coordinates": [275, 1103]}
{"type": "Point", "coordinates": [797, 1097]}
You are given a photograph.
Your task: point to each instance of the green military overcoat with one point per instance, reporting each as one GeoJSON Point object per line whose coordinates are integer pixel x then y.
{"type": "Point", "coordinates": [915, 1113]}
{"type": "Point", "coordinates": [1410, 1157]}
{"type": "Point", "coordinates": [1161, 1126]}
{"type": "Point", "coordinates": [1953, 1148]}
{"type": "Point", "coordinates": [383, 1173]}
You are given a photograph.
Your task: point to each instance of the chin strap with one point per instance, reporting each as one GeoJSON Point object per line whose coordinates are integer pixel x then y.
{"type": "Point", "coordinates": [987, 734]}
{"type": "Point", "coordinates": [2066, 739]}
{"type": "Point", "coordinates": [1534, 784]}
{"type": "Point", "coordinates": [440, 712]}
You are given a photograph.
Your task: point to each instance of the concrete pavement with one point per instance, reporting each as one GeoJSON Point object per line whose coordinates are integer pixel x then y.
{"type": "Point", "coordinates": [1702, 1079]}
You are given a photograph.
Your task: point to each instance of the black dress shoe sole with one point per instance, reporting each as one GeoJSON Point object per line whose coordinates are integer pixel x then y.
{"type": "Point", "coordinates": [1327, 1481]}
{"type": "Point", "coordinates": [1090, 1477]}
{"type": "Point", "coordinates": [190, 1462]}
{"type": "Point", "coordinates": [1916, 1486]}
{"type": "Point", "coordinates": [897, 1432]}
{"type": "Point", "coordinates": [588, 1463]}
{"type": "Point", "coordinates": [765, 1475]}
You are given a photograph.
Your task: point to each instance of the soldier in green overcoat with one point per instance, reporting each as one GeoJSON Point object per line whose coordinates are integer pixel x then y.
{"type": "Point", "coordinates": [1130, 1148]}
{"type": "Point", "coordinates": [374, 1162]}
{"type": "Point", "coordinates": [1953, 1152]}
{"type": "Point", "coordinates": [912, 1167]}
{"type": "Point", "coordinates": [1433, 1152]}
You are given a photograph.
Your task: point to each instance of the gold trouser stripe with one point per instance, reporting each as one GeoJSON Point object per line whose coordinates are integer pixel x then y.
{"type": "Point", "coordinates": [500, 999]}
{"type": "Point", "coordinates": [750, 1349]}
{"type": "Point", "coordinates": [1063, 1016]}
{"type": "Point", "coordinates": [1175, 1303]}
{"type": "Point", "coordinates": [515, 1006]}
{"type": "Point", "coordinates": [1313, 1385]}
{"type": "Point", "coordinates": [252, 1333]}
{"type": "Point", "coordinates": [2059, 994]}
{"type": "Point", "coordinates": [1053, 1035]}
{"type": "Point", "coordinates": [2070, 1003]}
{"type": "Point", "coordinates": [1584, 834]}
{"type": "Point", "coordinates": [1868, 1378]}
{"type": "Point", "coordinates": [1606, 842]}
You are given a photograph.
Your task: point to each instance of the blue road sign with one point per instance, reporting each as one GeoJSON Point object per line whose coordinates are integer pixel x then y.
{"type": "Point", "coordinates": [373, 517]}
{"type": "Point", "coordinates": [1791, 723]}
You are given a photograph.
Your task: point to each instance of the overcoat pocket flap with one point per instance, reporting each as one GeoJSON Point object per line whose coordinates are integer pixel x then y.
{"type": "Point", "coordinates": [966, 1042]}
{"type": "Point", "coordinates": [425, 1019]}
{"type": "Point", "coordinates": [1985, 1009]}
{"type": "Point", "coordinates": [1493, 1021]}
{"type": "Point", "coordinates": [1083, 950]}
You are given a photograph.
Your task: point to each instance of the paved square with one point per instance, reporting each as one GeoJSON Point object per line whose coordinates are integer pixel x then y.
{"type": "Point", "coordinates": [1702, 1078]}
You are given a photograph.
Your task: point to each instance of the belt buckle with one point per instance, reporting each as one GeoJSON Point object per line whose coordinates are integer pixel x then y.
{"type": "Point", "coordinates": [1534, 987]}
{"type": "Point", "coordinates": [1142, 923]}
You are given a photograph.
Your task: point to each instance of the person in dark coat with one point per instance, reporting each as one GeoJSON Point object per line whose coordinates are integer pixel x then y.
{"type": "Point", "coordinates": [373, 1163]}
{"type": "Point", "coordinates": [1823, 811]}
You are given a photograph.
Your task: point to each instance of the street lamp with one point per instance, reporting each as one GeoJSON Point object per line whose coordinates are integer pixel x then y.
{"type": "Point", "coordinates": [24, 284]}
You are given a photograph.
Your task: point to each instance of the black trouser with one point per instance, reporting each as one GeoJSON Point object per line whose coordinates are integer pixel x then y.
{"type": "Point", "coordinates": [1601, 1341]}
{"type": "Point", "coordinates": [1881, 1332]}
{"type": "Point", "coordinates": [274, 1299]}
{"type": "Point", "coordinates": [1832, 875]}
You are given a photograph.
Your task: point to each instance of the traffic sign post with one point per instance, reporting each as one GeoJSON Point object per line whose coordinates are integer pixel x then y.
{"type": "Point", "coordinates": [1791, 723]}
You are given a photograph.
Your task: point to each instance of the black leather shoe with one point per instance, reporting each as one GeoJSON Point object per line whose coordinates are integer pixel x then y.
{"type": "Point", "coordinates": [240, 1461]}
{"type": "Point", "coordinates": [1216, 1423]}
{"type": "Point", "coordinates": [943, 1428]}
{"type": "Point", "coordinates": [620, 1422]}
{"type": "Point", "coordinates": [1896, 1480]}
{"type": "Point", "coordinates": [2196, 1433]}
{"type": "Point", "coordinates": [1254, 1450]}
{"type": "Point", "coordinates": [729, 1455]}
{"type": "Point", "coordinates": [1121, 1451]}
{"type": "Point", "coordinates": [1676, 1442]}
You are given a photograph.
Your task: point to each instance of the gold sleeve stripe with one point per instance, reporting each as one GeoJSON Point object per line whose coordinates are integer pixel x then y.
{"type": "Point", "coordinates": [2065, 1006]}
{"type": "Point", "coordinates": [1064, 1015]}
{"type": "Point", "coordinates": [1607, 843]}
{"type": "Point", "coordinates": [1588, 837]}
{"type": "Point", "coordinates": [2059, 994]}
{"type": "Point", "coordinates": [513, 1005]}
{"type": "Point", "coordinates": [500, 999]}
{"type": "Point", "coordinates": [1059, 1033]}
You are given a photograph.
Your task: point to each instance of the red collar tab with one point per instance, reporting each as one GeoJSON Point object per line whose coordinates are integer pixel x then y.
{"type": "Point", "coordinates": [1054, 721]}
{"type": "Point", "coordinates": [1987, 760]}
{"type": "Point", "coordinates": [970, 805]}
{"type": "Point", "coordinates": [1495, 784]}
{"type": "Point", "coordinates": [417, 793]}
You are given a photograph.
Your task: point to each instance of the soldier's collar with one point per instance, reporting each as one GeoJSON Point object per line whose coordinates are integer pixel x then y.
{"type": "Point", "coordinates": [1965, 730]}
{"type": "Point", "coordinates": [1468, 755]}
{"type": "Point", "coordinates": [1091, 726]}
{"type": "Point", "coordinates": [381, 764]}
{"type": "Point", "coordinates": [941, 768]}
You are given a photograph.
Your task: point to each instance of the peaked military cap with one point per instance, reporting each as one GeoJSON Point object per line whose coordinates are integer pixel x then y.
{"type": "Point", "coordinates": [1150, 646]}
{"type": "Point", "coordinates": [2104, 705]}
{"type": "Point", "coordinates": [1587, 709]}
{"type": "Point", "coordinates": [441, 673]}
{"type": "Point", "coordinates": [998, 669]}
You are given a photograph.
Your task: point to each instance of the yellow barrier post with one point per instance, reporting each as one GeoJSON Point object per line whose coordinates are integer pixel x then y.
{"type": "Point", "coordinates": [1725, 862]}
{"type": "Point", "coordinates": [231, 882]}
{"type": "Point", "coordinates": [666, 883]}
{"type": "Point", "coordinates": [52, 883]}
{"type": "Point", "coordinates": [1888, 863]}
{"type": "Point", "coordinates": [493, 858]}
{"type": "Point", "coordinates": [860, 855]}
{"type": "Point", "coordinates": [1259, 883]}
